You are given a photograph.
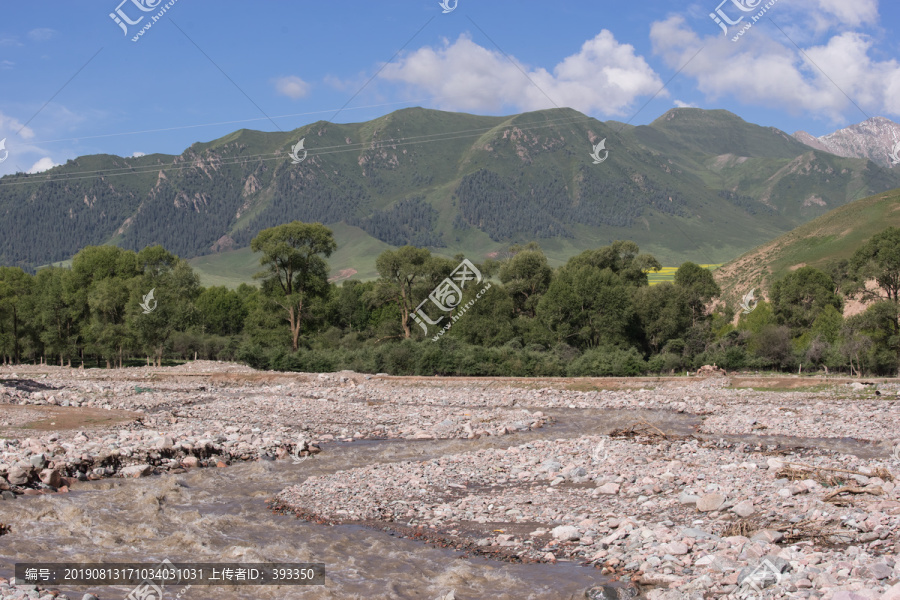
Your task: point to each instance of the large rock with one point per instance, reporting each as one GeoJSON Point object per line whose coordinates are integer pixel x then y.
{"type": "Point", "coordinates": [892, 594]}
{"type": "Point", "coordinates": [51, 477]}
{"type": "Point", "coordinates": [564, 533]}
{"type": "Point", "coordinates": [17, 476]}
{"type": "Point", "coordinates": [137, 471]}
{"type": "Point", "coordinates": [744, 508]}
{"type": "Point", "coordinates": [38, 461]}
{"type": "Point", "coordinates": [770, 536]}
{"type": "Point", "coordinates": [608, 488]}
{"type": "Point", "coordinates": [710, 502]}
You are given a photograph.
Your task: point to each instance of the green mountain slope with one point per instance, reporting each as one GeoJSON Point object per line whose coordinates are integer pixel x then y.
{"type": "Point", "coordinates": [833, 236]}
{"type": "Point", "coordinates": [693, 185]}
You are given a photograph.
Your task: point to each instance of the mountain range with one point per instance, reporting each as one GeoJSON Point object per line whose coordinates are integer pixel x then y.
{"type": "Point", "coordinates": [700, 185]}
{"type": "Point", "coordinates": [877, 139]}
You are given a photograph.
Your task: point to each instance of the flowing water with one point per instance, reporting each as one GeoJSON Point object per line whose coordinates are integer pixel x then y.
{"type": "Point", "coordinates": [220, 515]}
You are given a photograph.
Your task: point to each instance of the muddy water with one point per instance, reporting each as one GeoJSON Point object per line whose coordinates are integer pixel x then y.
{"type": "Point", "coordinates": [219, 515]}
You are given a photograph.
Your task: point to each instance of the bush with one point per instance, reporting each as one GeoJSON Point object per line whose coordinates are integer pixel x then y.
{"type": "Point", "coordinates": [608, 362]}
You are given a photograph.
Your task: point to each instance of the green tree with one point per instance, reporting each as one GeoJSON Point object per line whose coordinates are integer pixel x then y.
{"type": "Point", "coordinates": [175, 287]}
{"type": "Point", "coordinates": [296, 271]}
{"type": "Point", "coordinates": [663, 313]}
{"type": "Point", "coordinates": [15, 301]}
{"type": "Point", "coordinates": [221, 310]}
{"type": "Point", "coordinates": [58, 312]}
{"type": "Point", "coordinates": [800, 297]}
{"type": "Point", "coordinates": [587, 306]}
{"type": "Point", "coordinates": [526, 276]}
{"type": "Point", "coordinates": [406, 278]}
{"type": "Point", "coordinates": [879, 259]}
{"type": "Point", "coordinates": [698, 286]}
{"type": "Point", "coordinates": [621, 257]}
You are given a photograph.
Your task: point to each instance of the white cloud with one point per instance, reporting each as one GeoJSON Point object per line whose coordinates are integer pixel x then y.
{"type": "Point", "coordinates": [9, 41]}
{"type": "Point", "coordinates": [42, 165]}
{"type": "Point", "coordinates": [770, 71]}
{"type": "Point", "coordinates": [603, 77]}
{"type": "Point", "coordinates": [11, 126]}
{"type": "Point", "coordinates": [292, 87]}
{"type": "Point", "coordinates": [42, 34]}
{"type": "Point", "coordinates": [138, 154]}
{"type": "Point", "coordinates": [681, 104]}
{"type": "Point", "coordinates": [6, 64]}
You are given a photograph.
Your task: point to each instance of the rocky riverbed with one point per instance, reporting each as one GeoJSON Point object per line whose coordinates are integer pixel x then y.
{"type": "Point", "coordinates": [789, 486]}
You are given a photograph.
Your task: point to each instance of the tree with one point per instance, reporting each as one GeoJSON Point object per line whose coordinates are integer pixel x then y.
{"type": "Point", "coordinates": [526, 276]}
{"type": "Point", "coordinates": [621, 257]}
{"type": "Point", "coordinates": [405, 277]}
{"type": "Point", "coordinates": [103, 274]}
{"type": "Point", "coordinates": [663, 313]}
{"type": "Point", "coordinates": [800, 297]}
{"type": "Point", "coordinates": [221, 310]}
{"type": "Point", "coordinates": [879, 259]}
{"type": "Point", "coordinates": [58, 311]}
{"type": "Point", "coordinates": [698, 286]}
{"type": "Point", "coordinates": [15, 291]}
{"type": "Point", "coordinates": [296, 271]}
{"type": "Point", "coordinates": [587, 306]}
{"type": "Point", "coordinates": [175, 286]}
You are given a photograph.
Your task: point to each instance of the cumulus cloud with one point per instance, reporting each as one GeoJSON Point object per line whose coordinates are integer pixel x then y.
{"type": "Point", "coordinates": [292, 87]}
{"type": "Point", "coordinates": [41, 34]}
{"type": "Point", "coordinates": [681, 104]}
{"type": "Point", "coordinates": [604, 77]}
{"type": "Point", "coordinates": [11, 126]}
{"type": "Point", "coordinates": [138, 154]}
{"type": "Point", "coordinates": [770, 71]}
{"type": "Point", "coordinates": [42, 165]}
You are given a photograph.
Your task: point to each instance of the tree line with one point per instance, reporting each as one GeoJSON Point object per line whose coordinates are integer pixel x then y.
{"type": "Point", "coordinates": [596, 315]}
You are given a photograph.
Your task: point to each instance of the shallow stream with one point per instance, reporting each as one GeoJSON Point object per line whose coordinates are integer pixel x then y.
{"type": "Point", "coordinates": [220, 515]}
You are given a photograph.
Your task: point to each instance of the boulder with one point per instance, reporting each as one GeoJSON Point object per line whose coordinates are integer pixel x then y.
{"type": "Point", "coordinates": [744, 508]}
{"type": "Point", "coordinates": [17, 476]}
{"type": "Point", "coordinates": [710, 502]}
{"type": "Point", "coordinates": [565, 533]}
{"type": "Point", "coordinates": [608, 488]}
{"type": "Point", "coordinates": [51, 477]}
{"type": "Point", "coordinates": [137, 471]}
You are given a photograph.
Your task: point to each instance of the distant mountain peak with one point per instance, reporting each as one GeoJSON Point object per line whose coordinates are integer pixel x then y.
{"type": "Point", "coordinates": [874, 139]}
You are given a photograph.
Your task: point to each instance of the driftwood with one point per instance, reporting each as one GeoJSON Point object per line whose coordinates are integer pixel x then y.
{"type": "Point", "coordinates": [880, 472]}
{"type": "Point", "coordinates": [642, 427]}
{"type": "Point", "coordinates": [850, 489]}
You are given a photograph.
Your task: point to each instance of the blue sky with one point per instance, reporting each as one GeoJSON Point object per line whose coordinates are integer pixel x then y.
{"type": "Point", "coordinates": [79, 85]}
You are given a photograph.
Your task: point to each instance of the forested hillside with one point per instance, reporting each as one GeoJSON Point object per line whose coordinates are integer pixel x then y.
{"type": "Point", "coordinates": [694, 183]}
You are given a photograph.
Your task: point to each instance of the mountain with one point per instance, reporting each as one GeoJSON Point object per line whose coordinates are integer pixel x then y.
{"type": "Point", "coordinates": [833, 236]}
{"type": "Point", "coordinates": [693, 185]}
{"type": "Point", "coordinates": [877, 139]}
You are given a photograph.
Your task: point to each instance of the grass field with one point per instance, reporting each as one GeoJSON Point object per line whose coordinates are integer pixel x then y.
{"type": "Point", "coordinates": [668, 273]}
